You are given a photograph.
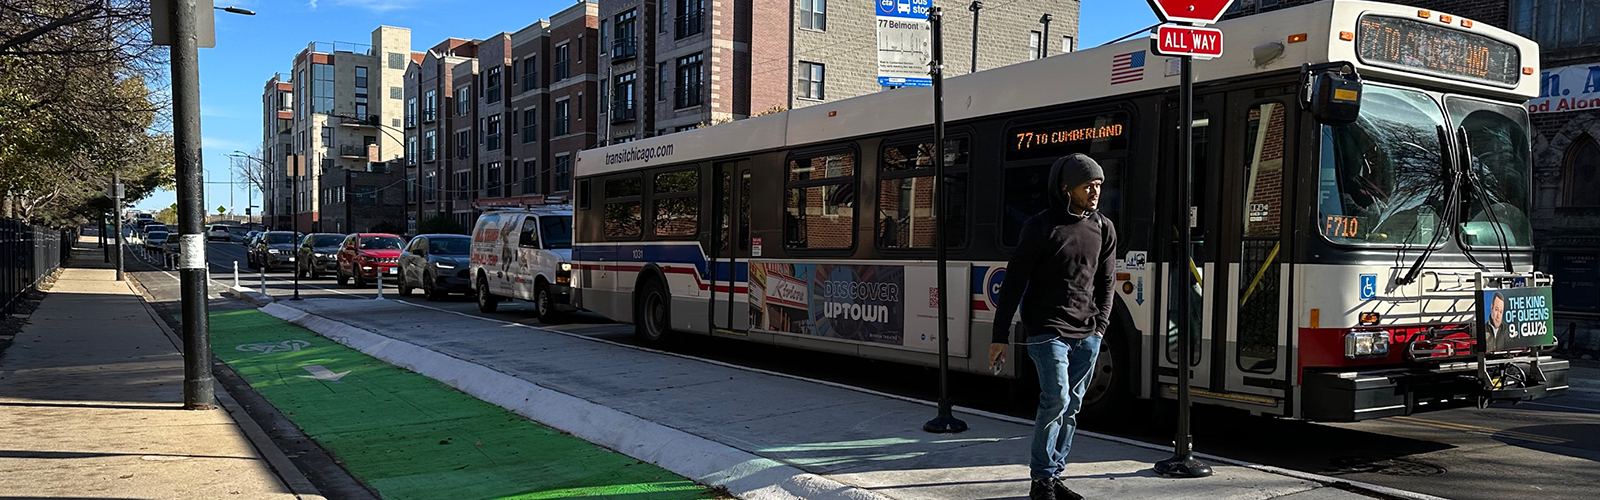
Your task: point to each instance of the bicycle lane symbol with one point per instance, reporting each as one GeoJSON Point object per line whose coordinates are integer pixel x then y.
{"type": "Point", "coordinates": [293, 345]}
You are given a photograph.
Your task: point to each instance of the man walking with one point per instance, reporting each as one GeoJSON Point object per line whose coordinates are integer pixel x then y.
{"type": "Point", "coordinates": [1061, 275]}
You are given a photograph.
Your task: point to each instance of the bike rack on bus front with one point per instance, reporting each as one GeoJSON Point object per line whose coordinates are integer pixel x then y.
{"type": "Point", "coordinates": [1527, 384]}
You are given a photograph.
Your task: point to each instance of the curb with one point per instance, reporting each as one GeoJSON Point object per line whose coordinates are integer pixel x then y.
{"type": "Point", "coordinates": [249, 296]}
{"type": "Point", "coordinates": [296, 482]}
{"type": "Point", "coordinates": [745, 475]}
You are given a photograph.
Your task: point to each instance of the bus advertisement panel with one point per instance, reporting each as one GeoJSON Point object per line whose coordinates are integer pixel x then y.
{"type": "Point", "coordinates": [882, 304]}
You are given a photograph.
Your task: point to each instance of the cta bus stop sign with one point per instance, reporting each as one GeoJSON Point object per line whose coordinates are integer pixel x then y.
{"type": "Point", "coordinates": [1187, 43]}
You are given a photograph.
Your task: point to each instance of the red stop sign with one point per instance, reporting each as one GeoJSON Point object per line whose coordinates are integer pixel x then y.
{"type": "Point", "coordinates": [1199, 12]}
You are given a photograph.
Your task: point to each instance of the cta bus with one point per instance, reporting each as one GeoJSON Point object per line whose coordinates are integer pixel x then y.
{"type": "Point", "coordinates": [1362, 195]}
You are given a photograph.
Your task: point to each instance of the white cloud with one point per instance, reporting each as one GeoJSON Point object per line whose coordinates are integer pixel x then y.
{"type": "Point", "coordinates": [218, 144]}
{"type": "Point", "coordinates": [313, 4]}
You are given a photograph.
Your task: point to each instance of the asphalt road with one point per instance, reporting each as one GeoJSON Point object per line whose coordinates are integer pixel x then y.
{"type": "Point", "coordinates": [1546, 449]}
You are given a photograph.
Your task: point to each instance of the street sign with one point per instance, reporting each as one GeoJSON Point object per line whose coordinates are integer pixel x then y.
{"type": "Point", "coordinates": [904, 43]}
{"type": "Point", "coordinates": [1196, 12]}
{"type": "Point", "coordinates": [1199, 43]}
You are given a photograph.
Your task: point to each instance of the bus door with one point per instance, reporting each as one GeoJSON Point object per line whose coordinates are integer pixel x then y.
{"type": "Point", "coordinates": [1254, 222]}
{"type": "Point", "coordinates": [731, 247]}
{"type": "Point", "coordinates": [1208, 128]}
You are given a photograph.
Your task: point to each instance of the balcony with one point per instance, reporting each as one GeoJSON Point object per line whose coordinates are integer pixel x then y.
{"type": "Point", "coordinates": [492, 142]}
{"type": "Point", "coordinates": [492, 94]}
{"type": "Point", "coordinates": [623, 112]}
{"type": "Point", "coordinates": [689, 96]}
{"type": "Point", "coordinates": [530, 81]}
{"type": "Point", "coordinates": [359, 121]}
{"type": "Point", "coordinates": [691, 23]}
{"type": "Point", "coordinates": [353, 151]}
{"type": "Point", "coordinates": [430, 155]}
{"type": "Point", "coordinates": [624, 48]}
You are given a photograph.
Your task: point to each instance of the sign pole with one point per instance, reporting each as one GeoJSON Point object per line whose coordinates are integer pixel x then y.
{"type": "Point", "coordinates": [294, 188]}
{"type": "Point", "coordinates": [945, 423]}
{"type": "Point", "coordinates": [1182, 463]}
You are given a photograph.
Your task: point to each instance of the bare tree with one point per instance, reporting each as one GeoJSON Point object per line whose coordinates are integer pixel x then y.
{"type": "Point", "coordinates": [252, 169]}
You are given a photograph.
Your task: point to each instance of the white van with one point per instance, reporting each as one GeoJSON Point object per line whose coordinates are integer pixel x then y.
{"type": "Point", "coordinates": [523, 254]}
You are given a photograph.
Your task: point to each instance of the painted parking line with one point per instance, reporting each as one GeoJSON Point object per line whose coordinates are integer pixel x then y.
{"type": "Point", "coordinates": [411, 437]}
{"type": "Point", "coordinates": [1490, 431]}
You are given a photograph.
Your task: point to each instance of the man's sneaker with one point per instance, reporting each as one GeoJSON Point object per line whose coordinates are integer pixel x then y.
{"type": "Point", "coordinates": [1062, 492]}
{"type": "Point", "coordinates": [1042, 490]}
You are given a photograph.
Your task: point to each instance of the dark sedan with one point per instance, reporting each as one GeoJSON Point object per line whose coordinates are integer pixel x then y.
{"type": "Point", "coordinates": [271, 249]}
{"type": "Point", "coordinates": [436, 263]}
{"type": "Point", "coordinates": [318, 253]}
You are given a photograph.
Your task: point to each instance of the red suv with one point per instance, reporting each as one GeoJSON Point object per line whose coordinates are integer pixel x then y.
{"type": "Point", "coordinates": [366, 255]}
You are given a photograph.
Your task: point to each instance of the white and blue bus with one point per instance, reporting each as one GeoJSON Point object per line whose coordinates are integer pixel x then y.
{"type": "Point", "coordinates": [1362, 174]}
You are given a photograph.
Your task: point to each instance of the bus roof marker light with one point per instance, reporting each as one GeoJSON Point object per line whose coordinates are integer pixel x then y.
{"type": "Point", "coordinates": [1424, 14]}
{"type": "Point", "coordinates": [1297, 38]}
{"type": "Point", "coordinates": [1347, 36]}
{"type": "Point", "coordinates": [1527, 70]}
{"type": "Point", "coordinates": [1446, 19]}
{"type": "Point", "coordinates": [1466, 23]}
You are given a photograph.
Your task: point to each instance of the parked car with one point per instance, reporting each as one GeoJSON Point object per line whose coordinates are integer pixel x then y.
{"type": "Point", "coordinates": [238, 233]}
{"type": "Point", "coordinates": [217, 232]}
{"type": "Point", "coordinates": [523, 254]}
{"type": "Point", "coordinates": [272, 249]}
{"type": "Point", "coordinates": [436, 263]}
{"type": "Point", "coordinates": [250, 238]}
{"type": "Point", "coordinates": [318, 253]}
{"type": "Point", "coordinates": [364, 256]}
{"type": "Point", "coordinates": [155, 241]}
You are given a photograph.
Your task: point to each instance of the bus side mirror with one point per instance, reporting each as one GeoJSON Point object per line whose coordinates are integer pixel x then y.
{"type": "Point", "coordinates": [1335, 98]}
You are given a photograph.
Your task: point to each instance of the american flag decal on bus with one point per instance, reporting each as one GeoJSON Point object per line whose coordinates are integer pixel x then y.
{"type": "Point", "coordinates": [1127, 68]}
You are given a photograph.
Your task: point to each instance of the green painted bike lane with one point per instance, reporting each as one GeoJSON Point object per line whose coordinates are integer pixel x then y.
{"type": "Point", "coordinates": [411, 437]}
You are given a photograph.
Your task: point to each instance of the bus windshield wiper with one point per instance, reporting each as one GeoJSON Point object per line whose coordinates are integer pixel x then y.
{"type": "Point", "coordinates": [1440, 226]}
{"type": "Point", "coordinates": [1483, 196]}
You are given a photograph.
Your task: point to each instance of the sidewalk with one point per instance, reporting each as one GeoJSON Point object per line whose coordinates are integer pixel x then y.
{"type": "Point", "coordinates": [91, 397]}
{"type": "Point", "coordinates": [760, 435]}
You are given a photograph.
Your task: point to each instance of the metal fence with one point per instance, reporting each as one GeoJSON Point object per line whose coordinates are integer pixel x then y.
{"type": "Point", "coordinates": [27, 254]}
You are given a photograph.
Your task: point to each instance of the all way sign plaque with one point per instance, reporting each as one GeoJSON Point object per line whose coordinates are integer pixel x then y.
{"type": "Point", "coordinates": [1199, 43]}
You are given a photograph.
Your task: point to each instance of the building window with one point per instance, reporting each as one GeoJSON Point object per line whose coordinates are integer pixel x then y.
{"type": "Point", "coordinates": [1581, 182]}
{"type": "Point", "coordinates": [463, 100]}
{"type": "Point", "coordinates": [361, 79]}
{"type": "Point", "coordinates": [463, 144]}
{"type": "Point", "coordinates": [430, 106]}
{"type": "Point", "coordinates": [530, 73]}
{"type": "Point", "coordinates": [492, 179]}
{"type": "Point", "coordinates": [430, 146]}
{"type": "Point", "coordinates": [463, 185]}
{"type": "Point", "coordinates": [327, 136]}
{"type": "Point", "coordinates": [814, 14]}
{"type": "Point", "coordinates": [675, 202]}
{"type": "Point", "coordinates": [492, 132]}
{"type": "Point", "coordinates": [690, 75]}
{"type": "Point", "coordinates": [563, 173]}
{"type": "Point", "coordinates": [691, 17]}
{"type": "Point", "coordinates": [411, 151]}
{"type": "Point", "coordinates": [1033, 45]}
{"type": "Point", "coordinates": [562, 59]}
{"type": "Point", "coordinates": [1557, 23]}
{"type": "Point", "coordinates": [492, 85]}
{"type": "Point", "coordinates": [562, 119]}
{"type": "Point", "coordinates": [811, 80]}
{"type": "Point", "coordinates": [622, 106]}
{"type": "Point", "coordinates": [907, 217]}
{"type": "Point", "coordinates": [322, 88]}
{"type": "Point", "coordinates": [530, 177]}
{"type": "Point", "coordinates": [819, 202]}
{"type": "Point", "coordinates": [666, 82]}
{"type": "Point", "coordinates": [626, 44]}
{"type": "Point", "coordinates": [530, 126]}
{"type": "Point", "coordinates": [411, 112]}
{"type": "Point", "coordinates": [1067, 44]}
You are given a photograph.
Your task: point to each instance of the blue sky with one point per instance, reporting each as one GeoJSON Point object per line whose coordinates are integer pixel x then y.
{"type": "Point", "coordinates": [251, 48]}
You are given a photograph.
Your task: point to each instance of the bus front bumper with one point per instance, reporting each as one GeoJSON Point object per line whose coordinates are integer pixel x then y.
{"type": "Point", "coordinates": [1350, 396]}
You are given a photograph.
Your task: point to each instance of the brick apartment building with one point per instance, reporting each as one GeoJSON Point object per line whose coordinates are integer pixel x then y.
{"type": "Point", "coordinates": [512, 111]}
{"type": "Point", "coordinates": [344, 118]}
{"type": "Point", "coordinates": [673, 65]}
{"type": "Point", "coordinates": [1565, 138]}
{"type": "Point", "coordinates": [277, 143]}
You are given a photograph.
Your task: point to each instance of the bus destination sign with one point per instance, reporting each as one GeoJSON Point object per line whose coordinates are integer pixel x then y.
{"type": "Point", "coordinates": [1059, 138]}
{"type": "Point", "coordinates": [1435, 49]}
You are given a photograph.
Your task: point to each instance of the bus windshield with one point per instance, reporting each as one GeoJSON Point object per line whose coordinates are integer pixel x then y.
{"type": "Point", "coordinates": [1497, 136]}
{"type": "Point", "coordinates": [1382, 178]}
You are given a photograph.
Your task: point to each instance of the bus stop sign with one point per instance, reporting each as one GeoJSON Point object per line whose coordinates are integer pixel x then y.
{"type": "Point", "coordinates": [1196, 12]}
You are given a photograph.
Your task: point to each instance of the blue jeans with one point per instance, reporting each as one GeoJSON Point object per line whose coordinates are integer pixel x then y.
{"type": "Point", "coordinates": [1065, 366]}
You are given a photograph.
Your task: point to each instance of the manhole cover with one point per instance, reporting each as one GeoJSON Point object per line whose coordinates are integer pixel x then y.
{"type": "Point", "coordinates": [1386, 466]}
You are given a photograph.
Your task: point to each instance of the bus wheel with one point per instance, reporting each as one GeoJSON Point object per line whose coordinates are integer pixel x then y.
{"type": "Point", "coordinates": [652, 314]}
{"type": "Point", "coordinates": [1108, 393]}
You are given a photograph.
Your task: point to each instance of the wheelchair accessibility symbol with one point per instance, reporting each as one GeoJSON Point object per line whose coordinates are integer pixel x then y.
{"type": "Point", "coordinates": [1369, 286]}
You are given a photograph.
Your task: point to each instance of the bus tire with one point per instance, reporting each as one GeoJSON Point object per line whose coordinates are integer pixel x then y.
{"type": "Point", "coordinates": [652, 313]}
{"type": "Point", "coordinates": [1110, 393]}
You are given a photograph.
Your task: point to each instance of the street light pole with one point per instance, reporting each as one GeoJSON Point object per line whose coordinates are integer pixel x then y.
{"type": "Point", "coordinates": [198, 385]}
{"type": "Point", "coordinates": [976, 6]}
{"type": "Point", "coordinates": [1044, 38]}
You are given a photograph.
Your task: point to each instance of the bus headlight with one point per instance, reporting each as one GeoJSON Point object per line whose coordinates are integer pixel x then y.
{"type": "Point", "coordinates": [566, 266]}
{"type": "Point", "coordinates": [1362, 344]}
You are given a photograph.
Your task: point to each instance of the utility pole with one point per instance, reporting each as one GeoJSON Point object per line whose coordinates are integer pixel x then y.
{"type": "Point", "coordinates": [198, 385]}
{"type": "Point", "coordinates": [976, 6]}
{"type": "Point", "coordinates": [946, 422]}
